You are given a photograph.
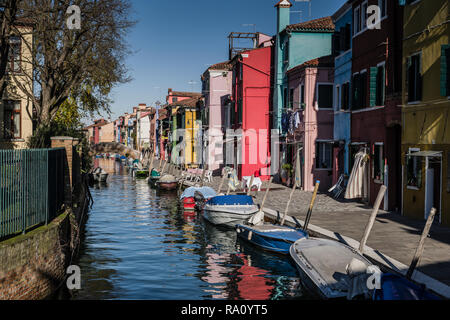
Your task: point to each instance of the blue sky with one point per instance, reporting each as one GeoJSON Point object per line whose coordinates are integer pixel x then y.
{"type": "Point", "coordinates": [175, 41]}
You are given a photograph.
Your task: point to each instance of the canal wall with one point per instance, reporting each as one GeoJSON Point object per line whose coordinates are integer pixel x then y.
{"type": "Point", "coordinates": [33, 266]}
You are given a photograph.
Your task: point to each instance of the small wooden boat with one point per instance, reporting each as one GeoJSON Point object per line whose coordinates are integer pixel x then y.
{"type": "Point", "coordinates": [395, 287]}
{"type": "Point", "coordinates": [99, 175]}
{"type": "Point", "coordinates": [167, 182]}
{"type": "Point", "coordinates": [322, 265]}
{"type": "Point", "coordinates": [271, 237]}
{"type": "Point", "coordinates": [276, 238]}
{"type": "Point", "coordinates": [194, 198]}
{"type": "Point", "coordinates": [229, 210]}
{"type": "Point", "coordinates": [141, 174]}
{"type": "Point", "coordinates": [154, 177]}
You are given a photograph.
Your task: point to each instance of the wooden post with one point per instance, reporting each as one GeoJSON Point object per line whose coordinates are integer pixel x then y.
{"type": "Point", "coordinates": [160, 163]}
{"type": "Point", "coordinates": [164, 167]}
{"type": "Point", "coordinates": [221, 182]}
{"type": "Point", "coordinates": [229, 186]}
{"type": "Point", "coordinates": [151, 161]}
{"type": "Point", "coordinates": [203, 177]}
{"type": "Point", "coordinates": [311, 206]}
{"type": "Point", "coordinates": [250, 185]}
{"type": "Point", "coordinates": [420, 247]}
{"type": "Point", "coordinates": [267, 192]}
{"type": "Point", "coordinates": [373, 215]}
{"type": "Point", "coordinates": [288, 204]}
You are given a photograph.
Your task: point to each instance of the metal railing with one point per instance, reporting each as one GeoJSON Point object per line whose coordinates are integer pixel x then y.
{"type": "Point", "coordinates": [32, 184]}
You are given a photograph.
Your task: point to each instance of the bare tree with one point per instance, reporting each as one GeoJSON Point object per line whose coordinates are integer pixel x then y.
{"type": "Point", "coordinates": [8, 15]}
{"type": "Point", "coordinates": [82, 63]}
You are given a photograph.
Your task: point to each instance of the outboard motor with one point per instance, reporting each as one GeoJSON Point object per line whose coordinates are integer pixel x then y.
{"type": "Point", "coordinates": [199, 200]}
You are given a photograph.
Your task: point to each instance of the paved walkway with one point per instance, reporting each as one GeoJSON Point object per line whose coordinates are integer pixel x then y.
{"type": "Point", "coordinates": [392, 234]}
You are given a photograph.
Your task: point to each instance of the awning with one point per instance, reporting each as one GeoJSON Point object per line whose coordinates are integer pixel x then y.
{"type": "Point", "coordinates": [425, 154]}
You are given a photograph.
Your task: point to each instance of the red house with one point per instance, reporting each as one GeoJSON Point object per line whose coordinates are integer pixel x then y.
{"type": "Point", "coordinates": [252, 100]}
{"type": "Point", "coordinates": [376, 96]}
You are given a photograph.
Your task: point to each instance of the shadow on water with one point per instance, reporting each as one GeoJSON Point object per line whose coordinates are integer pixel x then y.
{"type": "Point", "coordinates": [138, 245]}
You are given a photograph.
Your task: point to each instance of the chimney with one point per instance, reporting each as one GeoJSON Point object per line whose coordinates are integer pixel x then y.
{"type": "Point", "coordinates": [283, 14]}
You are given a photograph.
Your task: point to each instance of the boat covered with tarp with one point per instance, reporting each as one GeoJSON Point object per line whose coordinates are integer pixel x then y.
{"type": "Point", "coordinates": [194, 198]}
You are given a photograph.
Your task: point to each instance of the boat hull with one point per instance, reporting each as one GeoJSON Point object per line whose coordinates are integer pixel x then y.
{"type": "Point", "coordinates": [272, 238]}
{"type": "Point", "coordinates": [168, 186]}
{"type": "Point", "coordinates": [322, 263]}
{"type": "Point", "coordinates": [228, 216]}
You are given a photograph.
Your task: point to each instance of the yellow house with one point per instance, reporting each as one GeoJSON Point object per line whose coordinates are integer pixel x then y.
{"type": "Point", "coordinates": [186, 132]}
{"type": "Point", "coordinates": [426, 109]}
{"type": "Point", "coordinates": [16, 125]}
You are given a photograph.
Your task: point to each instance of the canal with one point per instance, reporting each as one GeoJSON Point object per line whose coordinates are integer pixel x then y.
{"type": "Point", "coordinates": [137, 244]}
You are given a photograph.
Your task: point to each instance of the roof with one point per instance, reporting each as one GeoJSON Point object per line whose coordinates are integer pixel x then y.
{"type": "Point", "coordinates": [221, 66]}
{"type": "Point", "coordinates": [324, 62]}
{"type": "Point", "coordinates": [284, 4]}
{"type": "Point", "coordinates": [185, 94]}
{"type": "Point", "coordinates": [317, 25]}
{"type": "Point", "coordinates": [185, 103]}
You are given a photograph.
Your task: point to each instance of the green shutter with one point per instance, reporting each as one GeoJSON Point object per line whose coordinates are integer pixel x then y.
{"type": "Point", "coordinates": [444, 70]}
{"type": "Point", "coordinates": [373, 86]}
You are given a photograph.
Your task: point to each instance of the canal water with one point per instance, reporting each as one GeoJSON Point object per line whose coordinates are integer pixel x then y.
{"type": "Point", "coordinates": [137, 244]}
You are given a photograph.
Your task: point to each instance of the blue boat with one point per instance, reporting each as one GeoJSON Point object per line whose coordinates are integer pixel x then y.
{"type": "Point", "coordinates": [229, 210]}
{"type": "Point", "coordinates": [395, 287]}
{"type": "Point", "coordinates": [271, 237]}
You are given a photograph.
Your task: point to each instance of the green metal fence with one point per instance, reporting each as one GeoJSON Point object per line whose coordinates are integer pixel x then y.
{"type": "Point", "coordinates": [31, 188]}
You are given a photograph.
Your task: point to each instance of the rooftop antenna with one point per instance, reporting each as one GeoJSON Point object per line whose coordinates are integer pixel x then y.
{"type": "Point", "coordinates": [192, 83]}
{"type": "Point", "coordinates": [301, 14]}
{"type": "Point", "coordinates": [254, 31]}
{"type": "Point", "coordinates": [309, 5]}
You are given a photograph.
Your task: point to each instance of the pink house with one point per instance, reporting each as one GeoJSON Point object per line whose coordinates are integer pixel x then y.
{"type": "Point", "coordinates": [217, 83]}
{"type": "Point", "coordinates": [310, 122]}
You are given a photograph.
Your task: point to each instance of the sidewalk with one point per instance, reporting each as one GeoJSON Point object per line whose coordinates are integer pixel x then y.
{"type": "Point", "coordinates": [392, 234]}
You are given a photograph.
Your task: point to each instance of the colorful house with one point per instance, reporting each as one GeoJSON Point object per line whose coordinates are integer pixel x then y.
{"type": "Point", "coordinates": [425, 109]}
{"type": "Point", "coordinates": [16, 125]}
{"type": "Point", "coordinates": [216, 89]}
{"type": "Point", "coordinates": [295, 44]}
{"type": "Point", "coordinates": [310, 127]}
{"type": "Point", "coordinates": [252, 74]}
{"type": "Point", "coordinates": [342, 50]}
{"type": "Point", "coordinates": [186, 132]}
{"type": "Point", "coordinates": [376, 95]}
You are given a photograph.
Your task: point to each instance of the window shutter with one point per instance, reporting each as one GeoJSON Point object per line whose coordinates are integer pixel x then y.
{"type": "Point", "coordinates": [445, 70]}
{"type": "Point", "coordinates": [336, 43]}
{"type": "Point", "coordinates": [373, 86]}
{"type": "Point", "coordinates": [409, 79]}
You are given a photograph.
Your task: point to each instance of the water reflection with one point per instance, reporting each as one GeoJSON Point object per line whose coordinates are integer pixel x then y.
{"type": "Point", "coordinates": [139, 245]}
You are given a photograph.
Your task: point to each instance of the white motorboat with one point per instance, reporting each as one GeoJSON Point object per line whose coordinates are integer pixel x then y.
{"type": "Point", "coordinates": [229, 210]}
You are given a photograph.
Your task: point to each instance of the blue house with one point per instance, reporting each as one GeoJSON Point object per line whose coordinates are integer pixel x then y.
{"type": "Point", "coordinates": [342, 49]}
{"type": "Point", "coordinates": [295, 44]}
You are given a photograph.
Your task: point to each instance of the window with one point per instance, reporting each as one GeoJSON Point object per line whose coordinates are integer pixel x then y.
{"type": "Point", "coordinates": [286, 52]}
{"type": "Point", "coordinates": [325, 96]}
{"type": "Point", "coordinates": [364, 16]}
{"type": "Point", "coordinates": [414, 171]}
{"type": "Point", "coordinates": [11, 119]}
{"type": "Point", "coordinates": [285, 98]}
{"type": "Point", "coordinates": [414, 78]}
{"type": "Point", "coordinates": [359, 90]}
{"type": "Point", "coordinates": [324, 155]}
{"type": "Point", "coordinates": [448, 172]}
{"type": "Point", "coordinates": [174, 99]}
{"type": "Point", "coordinates": [291, 98]}
{"type": "Point", "coordinates": [14, 54]}
{"type": "Point", "coordinates": [377, 85]}
{"type": "Point", "coordinates": [383, 8]}
{"type": "Point", "coordinates": [345, 94]}
{"type": "Point", "coordinates": [378, 163]}
{"type": "Point", "coordinates": [445, 70]}
{"type": "Point", "coordinates": [338, 98]}
{"type": "Point", "coordinates": [357, 20]}
{"type": "Point", "coordinates": [345, 38]}
{"type": "Point", "coordinates": [302, 96]}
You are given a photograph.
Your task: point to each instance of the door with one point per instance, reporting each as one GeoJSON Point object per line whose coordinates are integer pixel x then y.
{"type": "Point", "coordinates": [429, 191]}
